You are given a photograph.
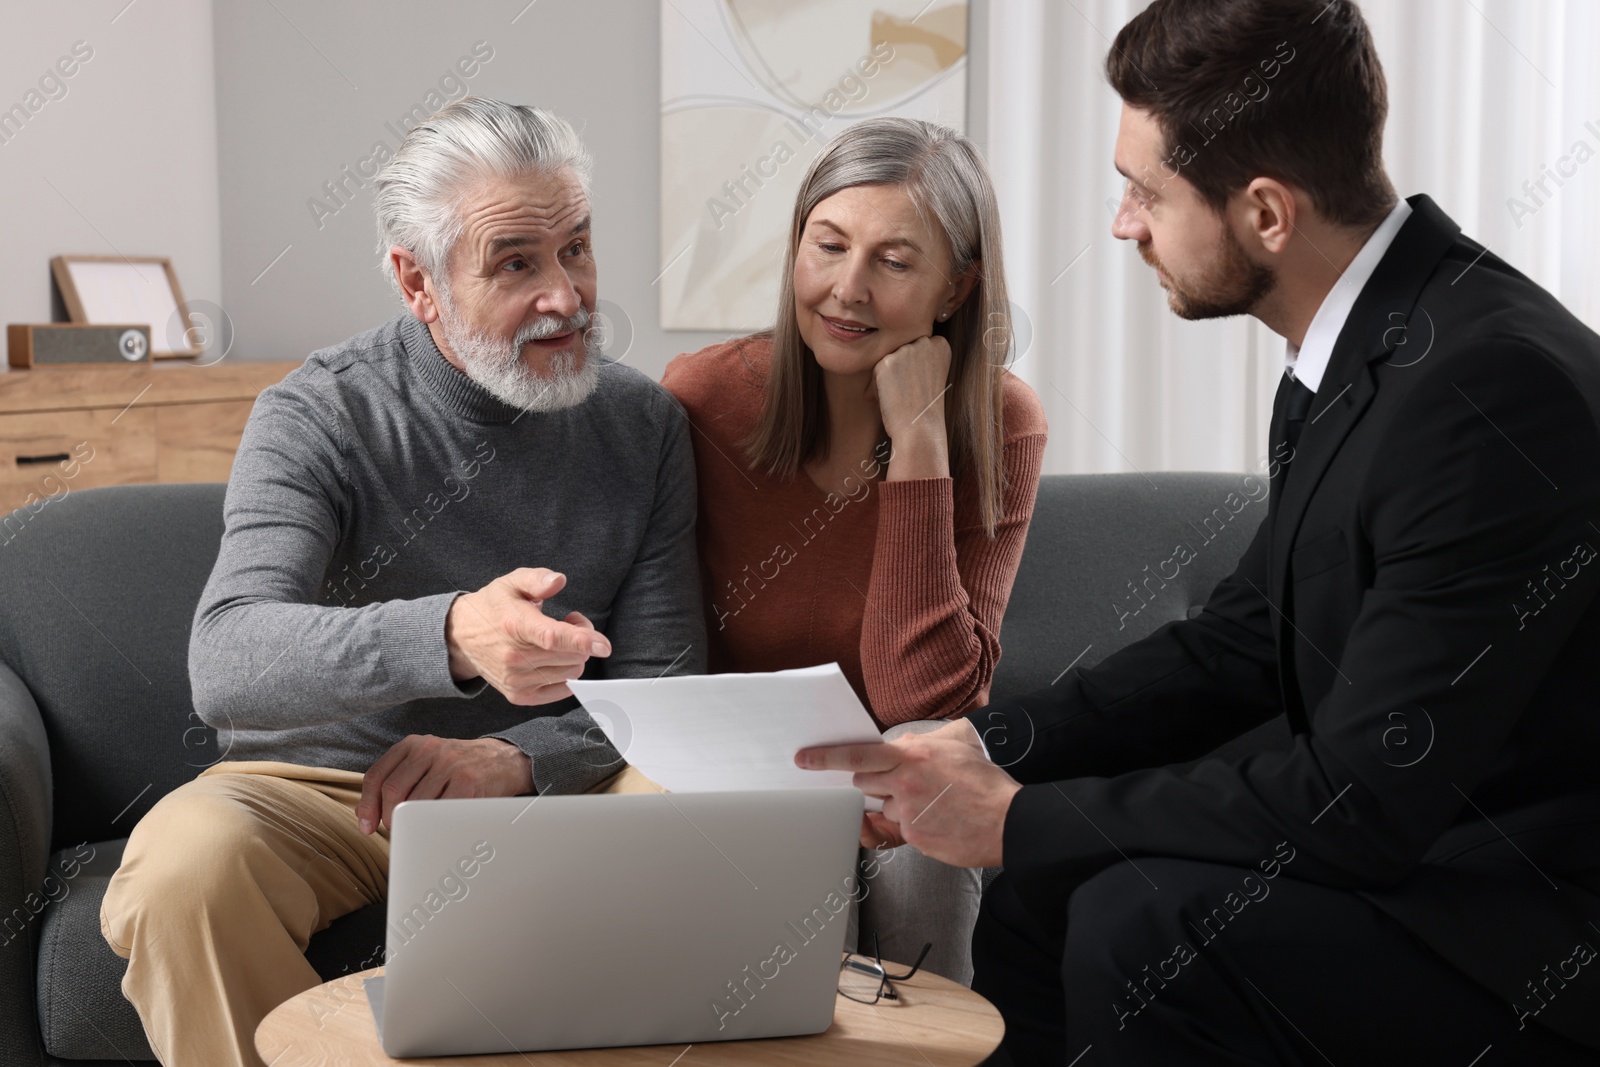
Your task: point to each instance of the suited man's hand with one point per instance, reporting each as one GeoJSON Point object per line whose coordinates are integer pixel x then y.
{"type": "Point", "coordinates": [940, 794]}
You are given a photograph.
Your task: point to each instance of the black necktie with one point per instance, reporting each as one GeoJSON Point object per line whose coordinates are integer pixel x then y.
{"type": "Point", "coordinates": [1296, 401]}
{"type": "Point", "coordinates": [1297, 405]}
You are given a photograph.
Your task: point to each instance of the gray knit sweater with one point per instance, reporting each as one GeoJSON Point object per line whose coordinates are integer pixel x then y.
{"type": "Point", "coordinates": [375, 484]}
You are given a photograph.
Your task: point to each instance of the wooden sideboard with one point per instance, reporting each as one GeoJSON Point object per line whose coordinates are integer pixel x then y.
{"type": "Point", "coordinates": [76, 427]}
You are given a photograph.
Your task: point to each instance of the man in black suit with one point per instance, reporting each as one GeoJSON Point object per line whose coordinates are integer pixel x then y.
{"type": "Point", "coordinates": [1416, 879]}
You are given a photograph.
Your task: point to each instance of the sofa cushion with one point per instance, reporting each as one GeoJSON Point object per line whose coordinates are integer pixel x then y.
{"type": "Point", "coordinates": [99, 588]}
{"type": "Point", "coordinates": [1111, 558]}
{"type": "Point", "coordinates": [82, 1012]}
{"type": "Point", "coordinates": [1101, 567]}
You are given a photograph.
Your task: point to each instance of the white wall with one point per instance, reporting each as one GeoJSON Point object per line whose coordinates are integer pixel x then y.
{"type": "Point", "coordinates": [202, 131]}
{"type": "Point", "coordinates": [124, 161]}
{"type": "Point", "coordinates": [305, 89]}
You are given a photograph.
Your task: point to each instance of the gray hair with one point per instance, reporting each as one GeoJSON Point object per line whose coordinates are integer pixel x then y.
{"type": "Point", "coordinates": [945, 177]}
{"type": "Point", "coordinates": [419, 191]}
{"type": "Point", "coordinates": [938, 168]}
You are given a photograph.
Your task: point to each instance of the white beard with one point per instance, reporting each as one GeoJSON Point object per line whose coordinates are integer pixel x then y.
{"type": "Point", "coordinates": [497, 365]}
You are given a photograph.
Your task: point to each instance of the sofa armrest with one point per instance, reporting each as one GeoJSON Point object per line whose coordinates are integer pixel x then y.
{"type": "Point", "coordinates": [25, 818]}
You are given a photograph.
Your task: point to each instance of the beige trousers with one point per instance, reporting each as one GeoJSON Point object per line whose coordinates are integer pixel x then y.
{"type": "Point", "coordinates": [220, 889]}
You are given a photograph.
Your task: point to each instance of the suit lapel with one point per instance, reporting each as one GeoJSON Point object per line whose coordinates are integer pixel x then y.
{"type": "Point", "coordinates": [1379, 324]}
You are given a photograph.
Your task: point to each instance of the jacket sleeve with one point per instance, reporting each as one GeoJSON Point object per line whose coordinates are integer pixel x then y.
{"type": "Point", "coordinates": [1173, 696]}
{"type": "Point", "coordinates": [1483, 478]}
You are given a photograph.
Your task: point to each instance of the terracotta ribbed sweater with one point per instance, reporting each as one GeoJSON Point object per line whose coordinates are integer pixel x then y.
{"type": "Point", "coordinates": [897, 582]}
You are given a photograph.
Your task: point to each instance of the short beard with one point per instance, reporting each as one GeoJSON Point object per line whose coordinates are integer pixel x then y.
{"type": "Point", "coordinates": [1231, 285]}
{"type": "Point", "coordinates": [498, 366]}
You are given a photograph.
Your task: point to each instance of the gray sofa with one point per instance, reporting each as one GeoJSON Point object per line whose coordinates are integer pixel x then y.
{"type": "Point", "coordinates": [96, 723]}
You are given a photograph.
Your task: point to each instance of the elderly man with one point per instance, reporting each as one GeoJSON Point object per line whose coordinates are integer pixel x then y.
{"type": "Point", "coordinates": [477, 443]}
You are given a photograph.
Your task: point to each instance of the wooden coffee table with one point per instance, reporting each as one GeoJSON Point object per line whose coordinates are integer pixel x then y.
{"type": "Point", "coordinates": [936, 1023]}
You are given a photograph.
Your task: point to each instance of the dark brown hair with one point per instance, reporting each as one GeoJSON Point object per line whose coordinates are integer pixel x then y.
{"type": "Point", "coordinates": [1242, 89]}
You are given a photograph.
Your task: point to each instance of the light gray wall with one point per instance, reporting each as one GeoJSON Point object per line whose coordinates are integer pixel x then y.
{"type": "Point", "coordinates": [125, 162]}
{"type": "Point", "coordinates": [305, 89]}
{"type": "Point", "coordinates": [201, 130]}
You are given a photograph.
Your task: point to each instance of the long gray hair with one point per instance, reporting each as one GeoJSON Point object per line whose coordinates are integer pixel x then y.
{"type": "Point", "coordinates": [943, 174]}
{"type": "Point", "coordinates": [419, 191]}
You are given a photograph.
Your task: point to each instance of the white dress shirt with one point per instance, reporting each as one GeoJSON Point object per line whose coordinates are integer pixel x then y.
{"type": "Point", "coordinates": [1310, 360]}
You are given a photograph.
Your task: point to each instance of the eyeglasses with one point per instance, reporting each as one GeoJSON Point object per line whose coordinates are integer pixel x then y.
{"type": "Point", "coordinates": [866, 981]}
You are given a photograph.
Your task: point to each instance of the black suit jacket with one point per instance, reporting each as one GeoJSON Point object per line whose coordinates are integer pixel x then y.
{"type": "Point", "coordinates": [1421, 601]}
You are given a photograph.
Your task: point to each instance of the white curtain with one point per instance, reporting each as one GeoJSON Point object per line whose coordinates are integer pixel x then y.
{"type": "Point", "coordinates": [1484, 96]}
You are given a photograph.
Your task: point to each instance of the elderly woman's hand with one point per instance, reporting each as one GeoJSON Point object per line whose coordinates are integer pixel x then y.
{"type": "Point", "coordinates": [911, 383]}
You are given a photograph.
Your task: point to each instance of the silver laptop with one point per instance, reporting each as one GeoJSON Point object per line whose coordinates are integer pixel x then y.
{"type": "Point", "coordinates": [537, 923]}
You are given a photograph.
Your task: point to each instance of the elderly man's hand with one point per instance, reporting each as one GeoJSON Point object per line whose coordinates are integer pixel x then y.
{"type": "Point", "coordinates": [940, 794]}
{"type": "Point", "coordinates": [423, 767]}
{"type": "Point", "coordinates": [500, 634]}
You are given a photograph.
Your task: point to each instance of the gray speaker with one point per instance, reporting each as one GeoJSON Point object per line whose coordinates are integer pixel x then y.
{"type": "Point", "coordinates": [53, 344]}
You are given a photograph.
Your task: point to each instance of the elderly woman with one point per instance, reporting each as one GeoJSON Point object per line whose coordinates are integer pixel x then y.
{"type": "Point", "coordinates": [868, 467]}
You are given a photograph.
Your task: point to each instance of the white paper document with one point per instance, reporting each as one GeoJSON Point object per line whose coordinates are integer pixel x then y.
{"type": "Point", "coordinates": [715, 732]}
